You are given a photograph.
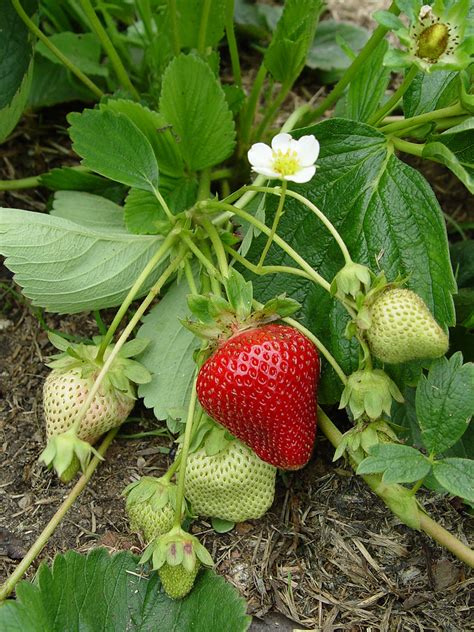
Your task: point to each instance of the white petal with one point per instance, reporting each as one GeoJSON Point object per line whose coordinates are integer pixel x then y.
{"type": "Point", "coordinates": [303, 175]}
{"type": "Point", "coordinates": [266, 171]}
{"type": "Point", "coordinates": [308, 150]}
{"type": "Point", "coordinates": [281, 142]}
{"type": "Point", "coordinates": [259, 154]}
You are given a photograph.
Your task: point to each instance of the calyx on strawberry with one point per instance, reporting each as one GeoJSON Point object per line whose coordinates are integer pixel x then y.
{"type": "Point", "coordinates": [177, 556]}
{"type": "Point", "coordinates": [151, 506]}
{"type": "Point", "coordinates": [67, 387]}
{"type": "Point", "coordinates": [260, 381]}
{"type": "Point", "coordinates": [226, 479]}
{"type": "Point", "coordinates": [403, 329]}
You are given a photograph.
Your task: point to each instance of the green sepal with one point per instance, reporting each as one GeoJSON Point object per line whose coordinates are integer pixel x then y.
{"type": "Point", "coordinates": [202, 330]}
{"type": "Point", "coordinates": [281, 307]}
{"type": "Point", "coordinates": [174, 548]}
{"type": "Point", "coordinates": [351, 280]}
{"type": "Point", "coordinates": [63, 449]}
{"type": "Point", "coordinates": [240, 294]}
{"type": "Point", "coordinates": [370, 392]}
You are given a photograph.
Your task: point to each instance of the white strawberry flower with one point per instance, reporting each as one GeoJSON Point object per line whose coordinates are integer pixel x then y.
{"type": "Point", "coordinates": [286, 159]}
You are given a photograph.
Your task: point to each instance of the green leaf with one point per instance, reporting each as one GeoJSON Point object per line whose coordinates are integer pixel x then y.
{"type": "Point", "coordinates": [144, 215]}
{"type": "Point", "coordinates": [69, 179]}
{"type": "Point", "coordinates": [399, 463]}
{"type": "Point", "coordinates": [68, 268]}
{"type": "Point", "coordinates": [389, 20]}
{"type": "Point", "coordinates": [326, 53]}
{"type": "Point", "coordinates": [445, 402]}
{"type": "Point", "coordinates": [222, 526]}
{"type": "Point", "coordinates": [123, 154]}
{"type": "Point", "coordinates": [154, 127]}
{"type": "Point", "coordinates": [169, 355]}
{"type": "Point", "coordinates": [462, 258]}
{"type": "Point", "coordinates": [82, 49]}
{"type": "Point", "coordinates": [193, 102]}
{"type": "Point", "coordinates": [16, 64]}
{"type": "Point", "coordinates": [456, 476]}
{"type": "Point", "coordinates": [387, 215]}
{"type": "Point", "coordinates": [107, 593]}
{"type": "Point", "coordinates": [430, 91]}
{"type": "Point", "coordinates": [52, 84]}
{"type": "Point", "coordinates": [455, 149]}
{"type": "Point", "coordinates": [286, 56]}
{"type": "Point", "coordinates": [87, 209]}
{"type": "Point", "coordinates": [189, 22]}
{"type": "Point", "coordinates": [368, 87]}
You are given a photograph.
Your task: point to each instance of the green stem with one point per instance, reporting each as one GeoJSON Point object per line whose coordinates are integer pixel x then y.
{"type": "Point", "coordinates": [391, 103]}
{"type": "Point", "coordinates": [314, 209]}
{"type": "Point", "coordinates": [272, 111]}
{"type": "Point", "coordinates": [321, 347]}
{"type": "Point", "coordinates": [204, 190]}
{"type": "Point", "coordinates": [174, 27]}
{"type": "Point", "coordinates": [190, 278]}
{"type": "Point", "coordinates": [248, 113]}
{"type": "Point", "coordinates": [215, 283]}
{"type": "Point", "coordinates": [218, 245]}
{"type": "Point", "coordinates": [295, 117]}
{"type": "Point", "coordinates": [109, 48]}
{"type": "Point", "coordinates": [163, 204]}
{"type": "Point", "coordinates": [351, 72]}
{"type": "Point", "coordinates": [421, 119]}
{"type": "Point", "coordinates": [211, 269]}
{"type": "Point", "coordinates": [222, 174]}
{"type": "Point", "coordinates": [317, 278]}
{"type": "Point", "coordinates": [232, 43]}
{"type": "Point", "coordinates": [50, 528]}
{"type": "Point", "coordinates": [414, 149]}
{"type": "Point", "coordinates": [184, 455]}
{"type": "Point", "coordinates": [124, 336]}
{"type": "Point", "coordinates": [146, 16]}
{"type": "Point", "coordinates": [265, 269]}
{"type": "Point", "coordinates": [417, 486]}
{"type": "Point", "coordinates": [21, 183]}
{"type": "Point", "coordinates": [203, 26]}
{"type": "Point", "coordinates": [172, 468]}
{"type": "Point", "coordinates": [147, 270]}
{"type": "Point", "coordinates": [427, 524]}
{"type": "Point", "coordinates": [62, 58]}
{"type": "Point", "coordinates": [276, 221]}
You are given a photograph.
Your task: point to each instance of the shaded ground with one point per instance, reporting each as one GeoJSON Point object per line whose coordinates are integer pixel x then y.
{"type": "Point", "coordinates": [328, 555]}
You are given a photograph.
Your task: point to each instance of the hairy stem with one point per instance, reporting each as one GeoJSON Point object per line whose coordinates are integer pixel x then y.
{"type": "Point", "coordinates": [352, 71]}
{"type": "Point", "coordinates": [109, 48]}
{"type": "Point", "coordinates": [276, 221]}
{"type": "Point", "coordinates": [163, 205]}
{"type": "Point", "coordinates": [391, 103]}
{"type": "Point", "coordinates": [174, 27]}
{"type": "Point", "coordinates": [272, 111]}
{"type": "Point", "coordinates": [427, 524]}
{"type": "Point", "coordinates": [421, 119]}
{"type": "Point", "coordinates": [248, 113]}
{"type": "Point", "coordinates": [203, 26]}
{"type": "Point", "coordinates": [218, 245]}
{"type": "Point", "coordinates": [62, 58]}
{"type": "Point", "coordinates": [265, 269]}
{"type": "Point", "coordinates": [232, 43]}
{"type": "Point", "coordinates": [415, 149]}
{"type": "Point", "coordinates": [170, 270]}
{"type": "Point", "coordinates": [184, 455]}
{"type": "Point", "coordinates": [147, 270]}
{"type": "Point", "coordinates": [50, 528]}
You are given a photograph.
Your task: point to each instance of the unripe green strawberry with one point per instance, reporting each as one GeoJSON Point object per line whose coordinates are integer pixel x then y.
{"type": "Point", "coordinates": [176, 580]}
{"type": "Point", "coordinates": [403, 329]}
{"type": "Point", "coordinates": [65, 392]}
{"type": "Point", "coordinates": [151, 506]}
{"type": "Point", "coordinates": [233, 485]}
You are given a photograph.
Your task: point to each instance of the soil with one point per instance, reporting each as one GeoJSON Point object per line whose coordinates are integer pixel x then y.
{"type": "Point", "coordinates": [327, 556]}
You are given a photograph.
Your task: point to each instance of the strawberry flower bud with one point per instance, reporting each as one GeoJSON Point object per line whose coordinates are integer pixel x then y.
{"type": "Point", "coordinates": [286, 159]}
{"type": "Point", "coordinates": [370, 392]}
{"type": "Point", "coordinates": [351, 279]}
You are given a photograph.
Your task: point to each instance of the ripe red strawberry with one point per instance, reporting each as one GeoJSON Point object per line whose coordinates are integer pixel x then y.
{"type": "Point", "coordinates": [261, 385]}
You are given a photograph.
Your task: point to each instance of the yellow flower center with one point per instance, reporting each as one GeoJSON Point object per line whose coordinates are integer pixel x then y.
{"type": "Point", "coordinates": [286, 163]}
{"type": "Point", "coordinates": [433, 41]}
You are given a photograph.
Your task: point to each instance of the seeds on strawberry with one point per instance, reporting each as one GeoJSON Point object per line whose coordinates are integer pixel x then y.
{"type": "Point", "coordinates": [403, 329]}
{"type": "Point", "coordinates": [176, 580]}
{"type": "Point", "coordinates": [261, 385]}
{"type": "Point", "coordinates": [233, 485]}
{"type": "Point", "coordinates": [65, 392]}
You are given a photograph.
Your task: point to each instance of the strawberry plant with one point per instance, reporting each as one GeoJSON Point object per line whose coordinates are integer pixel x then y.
{"type": "Point", "coordinates": [302, 266]}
